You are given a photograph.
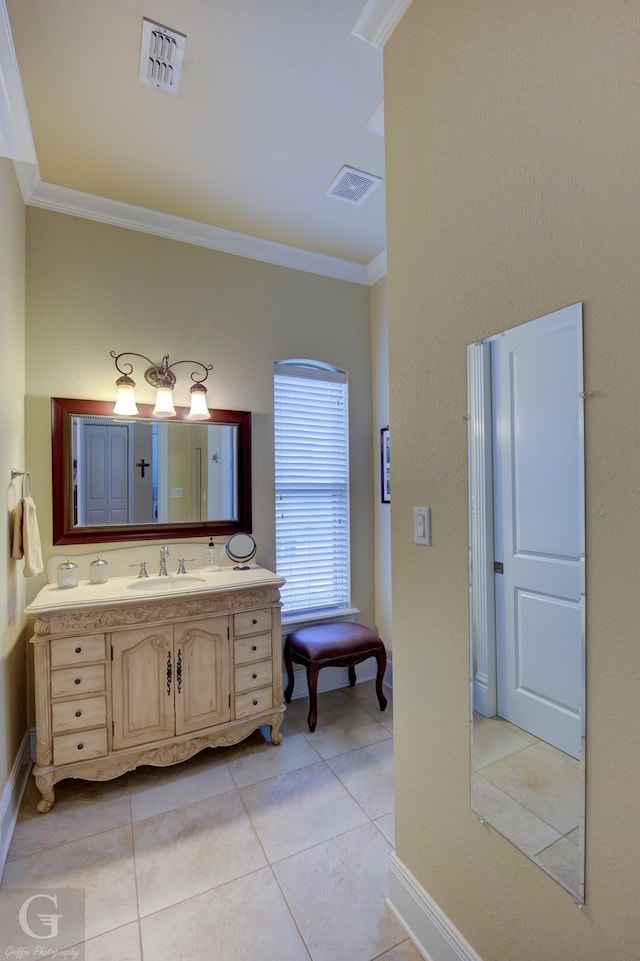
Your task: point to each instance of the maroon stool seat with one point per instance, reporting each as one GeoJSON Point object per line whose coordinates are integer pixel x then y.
{"type": "Point", "coordinates": [332, 645]}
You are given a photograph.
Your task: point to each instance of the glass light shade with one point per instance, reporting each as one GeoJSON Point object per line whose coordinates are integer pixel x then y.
{"type": "Point", "coordinates": [125, 401]}
{"type": "Point", "coordinates": [164, 403]}
{"type": "Point", "coordinates": [199, 409]}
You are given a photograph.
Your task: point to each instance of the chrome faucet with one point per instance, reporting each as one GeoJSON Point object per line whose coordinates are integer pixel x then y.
{"type": "Point", "coordinates": [164, 553]}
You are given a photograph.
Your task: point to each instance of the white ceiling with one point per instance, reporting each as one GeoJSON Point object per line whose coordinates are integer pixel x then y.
{"type": "Point", "coordinates": [274, 99]}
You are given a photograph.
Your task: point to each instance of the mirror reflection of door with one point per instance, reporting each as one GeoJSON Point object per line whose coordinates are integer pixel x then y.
{"type": "Point", "coordinates": [527, 604]}
{"type": "Point", "coordinates": [539, 519]}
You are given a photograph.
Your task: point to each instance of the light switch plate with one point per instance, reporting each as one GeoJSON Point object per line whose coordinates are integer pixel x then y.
{"type": "Point", "coordinates": [422, 526]}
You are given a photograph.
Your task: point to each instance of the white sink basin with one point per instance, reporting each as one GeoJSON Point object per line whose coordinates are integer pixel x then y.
{"type": "Point", "coordinates": [172, 582]}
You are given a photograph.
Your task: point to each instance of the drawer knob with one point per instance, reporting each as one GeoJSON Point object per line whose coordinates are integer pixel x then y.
{"type": "Point", "coordinates": [77, 680]}
{"type": "Point", "coordinates": [254, 676]}
{"type": "Point", "coordinates": [78, 650]}
{"type": "Point", "coordinates": [78, 713]}
{"type": "Point", "coordinates": [254, 647]}
{"type": "Point", "coordinates": [255, 703]}
{"type": "Point", "coordinates": [80, 746]}
{"type": "Point", "coordinates": [255, 620]}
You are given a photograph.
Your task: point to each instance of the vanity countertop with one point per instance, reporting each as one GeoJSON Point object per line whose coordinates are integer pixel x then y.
{"type": "Point", "coordinates": [133, 590]}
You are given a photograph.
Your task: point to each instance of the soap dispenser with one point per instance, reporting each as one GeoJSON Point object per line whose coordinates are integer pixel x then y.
{"type": "Point", "coordinates": [210, 555]}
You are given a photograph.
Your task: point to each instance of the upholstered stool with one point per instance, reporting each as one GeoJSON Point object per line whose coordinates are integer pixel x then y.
{"type": "Point", "coordinates": [332, 645]}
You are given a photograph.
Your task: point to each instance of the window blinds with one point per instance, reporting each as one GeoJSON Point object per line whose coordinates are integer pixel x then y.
{"type": "Point", "coordinates": [312, 487]}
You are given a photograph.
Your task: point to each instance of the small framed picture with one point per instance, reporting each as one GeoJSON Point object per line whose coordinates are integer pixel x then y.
{"type": "Point", "coordinates": [385, 466]}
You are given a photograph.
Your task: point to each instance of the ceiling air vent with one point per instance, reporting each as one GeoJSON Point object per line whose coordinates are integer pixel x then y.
{"type": "Point", "coordinates": [353, 186]}
{"type": "Point", "coordinates": [161, 56]}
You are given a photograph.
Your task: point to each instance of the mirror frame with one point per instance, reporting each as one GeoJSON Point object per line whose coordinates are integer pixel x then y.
{"type": "Point", "coordinates": [64, 408]}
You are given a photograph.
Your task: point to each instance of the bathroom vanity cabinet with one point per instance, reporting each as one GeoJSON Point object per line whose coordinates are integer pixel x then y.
{"type": "Point", "coordinates": [123, 680]}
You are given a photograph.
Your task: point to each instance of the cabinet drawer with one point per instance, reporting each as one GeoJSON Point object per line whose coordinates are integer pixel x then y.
{"type": "Point", "coordinates": [247, 649]}
{"type": "Point", "coordinates": [68, 748]}
{"type": "Point", "coordinates": [253, 675]}
{"type": "Point", "coordinates": [252, 622]}
{"type": "Point", "coordinates": [79, 714]}
{"type": "Point", "coordinates": [78, 680]}
{"type": "Point", "coordinates": [254, 702]}
{"type": "Point", "coordinates": [77, 650]}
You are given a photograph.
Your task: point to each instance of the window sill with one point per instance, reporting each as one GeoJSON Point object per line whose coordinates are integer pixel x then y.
{"type": "Point", "coordinates": [295, 621]}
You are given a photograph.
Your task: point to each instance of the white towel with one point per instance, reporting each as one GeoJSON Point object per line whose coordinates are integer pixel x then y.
{"type": "Point", "coordinates": [17, 550]}
{"type": "Point", "coordinates": [31, 539]}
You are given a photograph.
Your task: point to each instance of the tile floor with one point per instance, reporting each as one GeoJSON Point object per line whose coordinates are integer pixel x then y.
{"type": "Point", "coordinates": [532, 793]}
{"type": "Point", "coordinates": [251, 852]}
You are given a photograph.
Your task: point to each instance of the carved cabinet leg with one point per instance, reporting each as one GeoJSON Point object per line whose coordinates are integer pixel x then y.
{"type": "Point", "coordinates": [44, 783]}
{"type": "Point", "coordinates": [276, 736]}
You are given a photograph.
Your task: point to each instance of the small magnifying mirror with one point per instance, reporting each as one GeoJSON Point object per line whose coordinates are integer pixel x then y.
{"type": "Point", "coordinates": [241, 548]}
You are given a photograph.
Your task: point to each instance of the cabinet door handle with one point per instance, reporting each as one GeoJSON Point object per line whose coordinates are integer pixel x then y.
{"type": "Point", "coordinates": [179, 670]}
{"type": "Point", "coordinates": [169, 673]}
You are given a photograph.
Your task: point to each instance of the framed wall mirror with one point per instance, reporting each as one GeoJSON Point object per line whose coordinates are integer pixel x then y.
{"type": "Point", "coordinates": [143, 478]}
{"type": "Point", "coordinates": [527, 590]}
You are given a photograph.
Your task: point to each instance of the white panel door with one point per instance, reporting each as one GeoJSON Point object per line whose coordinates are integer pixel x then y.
{"type": "Point", "coordinates": [106, 474]}
{"type": "Point", "coordinates": [539, 526]}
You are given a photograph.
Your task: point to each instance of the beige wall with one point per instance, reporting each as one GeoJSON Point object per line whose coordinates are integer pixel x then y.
{"type": "Point", "coordinates": [512, 180]}
{"type": "Point", "coordinates": [12, 454]}
{"type": "Point", "coordinates": [92, 288]}
{"type": "Point", "coordinates": [382, 512]}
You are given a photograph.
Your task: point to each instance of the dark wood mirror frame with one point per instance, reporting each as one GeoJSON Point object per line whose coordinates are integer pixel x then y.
{"type": "Point", "coordinates": [64, 408]}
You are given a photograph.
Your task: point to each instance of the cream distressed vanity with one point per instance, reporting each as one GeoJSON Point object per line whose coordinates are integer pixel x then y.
{"type": "Point", "coordinates": [152, 671]}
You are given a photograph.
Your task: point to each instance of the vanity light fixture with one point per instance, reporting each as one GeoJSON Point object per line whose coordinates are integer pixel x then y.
{"type": "Point", "coordinates": [161, 377]}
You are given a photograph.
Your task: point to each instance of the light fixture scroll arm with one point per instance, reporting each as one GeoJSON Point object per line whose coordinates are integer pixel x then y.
{"type": "Point", "coordinates": [194, 374]}
{"type": "Point", "coordinates": [129, 353]}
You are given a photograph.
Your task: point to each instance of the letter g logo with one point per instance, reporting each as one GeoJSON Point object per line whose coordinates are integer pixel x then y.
{"type": "Point", "coordinates": [49, 921]}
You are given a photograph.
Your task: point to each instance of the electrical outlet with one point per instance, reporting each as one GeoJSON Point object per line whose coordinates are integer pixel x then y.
{"type": "Point", "coordinates": [422, 526]}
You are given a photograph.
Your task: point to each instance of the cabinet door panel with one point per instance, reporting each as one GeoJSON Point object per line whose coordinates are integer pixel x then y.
{"type": "Point", "coordinates": [202, 674]}
{"type": "Point", "coordinates": [143, 679]}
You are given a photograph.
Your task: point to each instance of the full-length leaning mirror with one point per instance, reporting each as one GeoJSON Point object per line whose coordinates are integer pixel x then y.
{"type": "Point", "coordinates": [527, 590]}
{"type": "Point", "coordinates": [140, 478]}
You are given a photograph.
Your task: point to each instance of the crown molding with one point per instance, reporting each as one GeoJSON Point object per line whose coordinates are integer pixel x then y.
{"type": "Point", "coordinates": [16, 141]}
{"type": "Point", "coordinates": [129, 216]}
{"type": "Point", "coordinates": [378, 19]}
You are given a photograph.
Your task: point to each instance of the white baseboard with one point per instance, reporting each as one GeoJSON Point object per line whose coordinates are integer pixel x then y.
{"type": "Point", "coordinates": [431, 931]}
{"type": "Point", "coordinates": [12, 797]}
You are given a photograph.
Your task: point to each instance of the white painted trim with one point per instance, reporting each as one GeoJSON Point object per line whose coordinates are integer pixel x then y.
{"type": "Point", "coordinates": [28, 176]}
{"type": "Point", "coordinates": [482, 605]}
{"type": "Point", "coordinates": [433, 934]}
{"type": "Point", "coordinates": [378, 19]}
{"type": "Point", "coordinates": [16, 141]}
{"type": "Point", "coordinates": [377, 268]}
{"type": "Point", "coordinates": [12, 797]}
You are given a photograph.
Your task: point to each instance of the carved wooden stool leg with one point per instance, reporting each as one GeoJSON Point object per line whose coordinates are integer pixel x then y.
{"type": "Point", "coordinates": [288, 663]}
{"type": "Point", "coordinates": [312, 679]}
{"type": "Point", "coordinates": [381, 658]}
{"type": "Point", "coordinates": [352, 675]}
